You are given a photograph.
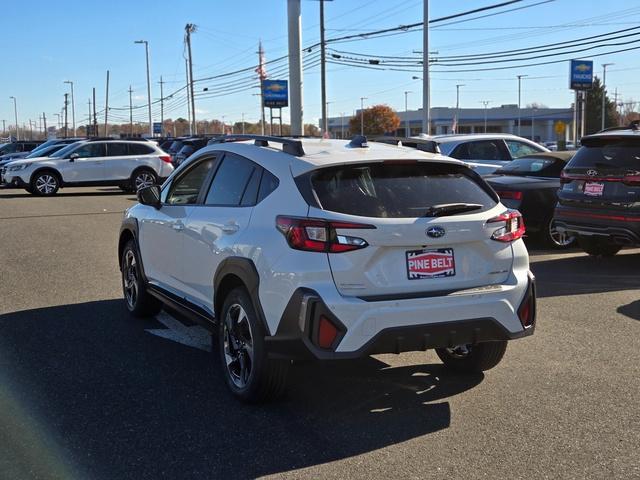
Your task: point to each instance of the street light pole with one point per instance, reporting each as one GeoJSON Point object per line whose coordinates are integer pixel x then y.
{"type": "Point", "coordinates": [342, 125]}
{"type": "Point", "coordinates": [520, 77]}
{"type": "Point", "coordinates": [15, 113]}
{"type": "Point", "coordinates": [362, 99]}
{"type": "Point", "coordinates": [146, 49]}
{"type": "Point", "coordinates": [406, 114]}
{"type": "Point", "coordinates": [604, 91]}
{"type": "Point", "coordinates": [485, 103]}
{"type": "Point", "coordinates": [458, 104]}
{"type": "Point", "coordinates": [426, 112]}
{"type": "Point", "coordinates": [73, 108]}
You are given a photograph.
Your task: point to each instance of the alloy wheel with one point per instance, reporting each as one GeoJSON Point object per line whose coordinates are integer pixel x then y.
{"type": "Point", "coordinates": [238, 345]}
{"type": "Point", "coordinates": [143, 180]}
{"type": "Point", "coordinates": [46, 184]}
{"type": "Point", "coordinates": [130, 279]}
{"type": "Point", "coordinates": [560, 239]}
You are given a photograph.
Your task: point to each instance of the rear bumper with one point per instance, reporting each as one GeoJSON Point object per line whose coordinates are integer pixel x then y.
{"type": "Point", "coordinates": [296, 337]}
{"type": "Point", "coordinates": [614, 226]}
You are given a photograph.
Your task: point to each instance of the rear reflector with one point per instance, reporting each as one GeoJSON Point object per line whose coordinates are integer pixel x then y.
{"type": "Point", "coordinates": [513, 228]}
{"type": "Point", "coordinates": [527, 310]}
{"type": "Point", "coordinates": [509, 194]}
{"type": "Point", "coordinates": [327, 332]}
{"type": "Point", "coordinates": [165, 158]}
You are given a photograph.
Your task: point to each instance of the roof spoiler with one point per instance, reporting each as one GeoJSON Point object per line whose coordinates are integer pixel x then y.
{"type": "Point", "coordinates": [634, 125]}
{"type": "Point", "coordinates": [424, 145]}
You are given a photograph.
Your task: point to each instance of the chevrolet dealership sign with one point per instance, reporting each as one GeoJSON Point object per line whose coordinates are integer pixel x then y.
{"type": "Point", "coordinates": [581, 74]}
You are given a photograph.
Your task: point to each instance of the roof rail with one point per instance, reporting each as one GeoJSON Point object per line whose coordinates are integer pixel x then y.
{"type": "Point", "coordinates": [422, 144]}
{"type": "Point", "coordinates": [634, 125]}
{"type": "Point", "coordinates": [128, 139]}
{"type": "Point", "coordinates": [359, 141]}
{"type": "Point", "coordinates": [289, 145]}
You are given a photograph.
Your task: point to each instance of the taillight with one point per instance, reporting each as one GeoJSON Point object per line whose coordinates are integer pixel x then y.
{"type": "Point", "coordinates": [564, 178]}
{"type": "Point", "coordinates": [165, 158]}
{"type": "Point", "coordinates": [513, 228]}
{"type": "Point", "coordinates": [631, 180]}
{"type": "Point", "coordinates": [315, 235]}
{"type": "Point", "coordinates": [509, 195]}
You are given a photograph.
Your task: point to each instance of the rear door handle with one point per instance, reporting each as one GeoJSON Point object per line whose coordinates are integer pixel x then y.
{"type": "Point", "coordinates": [230, 227]}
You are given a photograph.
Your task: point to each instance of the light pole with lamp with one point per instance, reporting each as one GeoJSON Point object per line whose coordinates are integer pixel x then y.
{"type": "Point", "coordinates": [362, 99]}
{"type": "Point", "coordinates": [73, 108]}
{"type": "Point", "coordinates": [15, 113]}
{"type": "Point", "coordinates": [406, 114]}
{"type": "Point", "coordinates": [520, 77]}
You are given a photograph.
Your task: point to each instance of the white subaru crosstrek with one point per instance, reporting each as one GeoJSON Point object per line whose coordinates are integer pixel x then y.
{"type": "Point", "coordinates": [128, 163]}
{"type": "Point", "coordinates": [328, 249]}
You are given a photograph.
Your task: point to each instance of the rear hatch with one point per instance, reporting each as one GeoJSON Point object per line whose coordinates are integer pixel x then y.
{"type": "Point", "coordinates": [603, 174]}
{"type": "Point", "coordinates": [424, 224]}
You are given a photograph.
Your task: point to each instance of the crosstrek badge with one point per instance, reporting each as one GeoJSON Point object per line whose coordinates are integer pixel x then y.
{"type": "Point", "coordinates": [430, 263]}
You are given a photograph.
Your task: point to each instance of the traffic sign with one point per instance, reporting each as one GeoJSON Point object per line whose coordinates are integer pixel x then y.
{"type": "Point", "coordinates": [157, 127]}
{"type": "Point", "coordinates": [560, 127]}
{"type": "Point", "coordinates": [275, 93]}
{"type": "Point", "coordinates": [581, 74]}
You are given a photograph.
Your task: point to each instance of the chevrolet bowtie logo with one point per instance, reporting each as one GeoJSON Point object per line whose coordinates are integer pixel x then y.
{"type": "Point", "coordinates": [583, 67]}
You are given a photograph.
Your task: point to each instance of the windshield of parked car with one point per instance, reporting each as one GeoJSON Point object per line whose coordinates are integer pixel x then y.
{"type": "Point", "coordinates": [63, 152]}
{"type": "Point", "coordinates": [46, 152]}
{"type": "Point", "coordinates": [44, 145]}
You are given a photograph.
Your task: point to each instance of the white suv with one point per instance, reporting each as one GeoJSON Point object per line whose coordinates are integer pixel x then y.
{"type": "Point", "coordinates": [128, 164]}
{"type": "Point", "coordinates": [327, 249]}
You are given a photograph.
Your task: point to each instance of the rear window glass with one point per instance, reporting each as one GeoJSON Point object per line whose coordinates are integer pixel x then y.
{"type": "Point", "coordinates": [396, 191]}
{"type": "Point", "coordinates": [608, 154]}
{"type": "Point", "coordinates": [139, 149]}
{"type": "Point", "coordinates": [527, 165]}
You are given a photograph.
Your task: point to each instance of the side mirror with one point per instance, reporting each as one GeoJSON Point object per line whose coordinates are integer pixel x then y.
{"type": "Point", "coordinates": [150, 196]}
{"type": "Point", "coordinates": [73, 156]}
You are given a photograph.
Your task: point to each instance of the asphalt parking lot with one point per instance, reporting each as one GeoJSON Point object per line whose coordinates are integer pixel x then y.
{"type": "Point", "coordinates": [88, 392]}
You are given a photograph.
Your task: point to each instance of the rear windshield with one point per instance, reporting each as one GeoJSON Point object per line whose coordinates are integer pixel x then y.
{"type": "Point", "coordinates": [618, 154]}
{"type": "Point", "coordinates": [397, 190]}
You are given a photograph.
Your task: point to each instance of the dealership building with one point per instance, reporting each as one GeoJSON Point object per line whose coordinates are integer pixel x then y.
{"type": "Point", "coordinates": [536, 123]}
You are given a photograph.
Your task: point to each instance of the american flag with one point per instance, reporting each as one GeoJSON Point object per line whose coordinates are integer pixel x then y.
{"type": "Point", "coordinates": [454, 125]}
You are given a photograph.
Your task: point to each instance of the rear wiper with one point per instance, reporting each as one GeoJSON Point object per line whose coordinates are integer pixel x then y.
{"type": "Point", "coordinates": [451, 209]}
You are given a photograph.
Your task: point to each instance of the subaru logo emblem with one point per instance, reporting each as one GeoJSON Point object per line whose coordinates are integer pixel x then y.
{"type": "Point", "coordinates": [435, 232]}
{"type": "Point", "coordinates": [592, 173]}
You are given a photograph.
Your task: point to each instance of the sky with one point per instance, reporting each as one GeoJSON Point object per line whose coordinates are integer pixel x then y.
{"type": "Point", "coordinates": [45, 43]}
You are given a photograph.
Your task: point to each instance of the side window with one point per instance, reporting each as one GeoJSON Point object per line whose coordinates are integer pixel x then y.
{"type": "Point", "coordinates": [520, 149]}
{"type": "Point", "coordinates": [90, 150]}
{"type": "Point", "coordinates": [116, 149]}
{"type": "Point", "coordinates": [231, 181]}
{"type": "Point", "coordinates": [481, 150]}
{"type": "Point", "coordinates": [186, 189]}
{"type": "Point", "coordinates": [251, 192]}
{"type": "Point", "coordinates": [268, 184]}
{"type": "Point", "coordinates": [139, 149]}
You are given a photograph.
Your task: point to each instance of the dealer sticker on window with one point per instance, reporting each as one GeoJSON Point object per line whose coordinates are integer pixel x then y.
{"type": "Point", "coordinates": [430, 263]}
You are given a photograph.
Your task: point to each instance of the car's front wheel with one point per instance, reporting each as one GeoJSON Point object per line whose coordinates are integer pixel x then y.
{"type": "Point", "coordinates": [45, 183]}
{"type": "Point", "coordinates": [139, 302]}
{"type": "Point", "coordinates": [598, 246]}
{"type": "Point", "coordinates": [473, 358]}
{"type": "Point", "coordinates": [247, 370]}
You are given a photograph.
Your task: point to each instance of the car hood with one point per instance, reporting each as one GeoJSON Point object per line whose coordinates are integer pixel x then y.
{"type": "Point", "coordinates": [521, 181]}
{"type": "Point", "coordinates": [21, 161]}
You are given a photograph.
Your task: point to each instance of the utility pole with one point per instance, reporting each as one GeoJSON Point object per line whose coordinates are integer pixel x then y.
{"type": "Point", "coordinates": [89, 120]}
{"type": "Point", "coordinates": [323, 80]}
{"type": "Point", "coordinates": [520, 77]}
{"type": "Point", "coordinates": [533, 126]}
{"type": "Point", "coordinates": [189, 29]}
{"type": "Point", "coordinates": [406, 114]}
{"type": "Point", "coordinates": [604, 91]}
{"type": "Point", "coordinates": [186, 69]}
{"type": "Point", "coordinates": [342, 125]}
{"type": "Point", "coordinates": [485, 103]}
{"type": "Point", "coordinates": [58, 124]}
{"type": "Point", "coordinates": [15, 113]}
{"type": "Point", "coordinates": [362, 99]}
{"type": "Point", "coordinates": [44, 123]}
{"type": "Point", "coordinates": [146, 50]}
{"type": "Point", "coordinates": [66, 123]}
{"type": "Point", "coordinates": [4, 129]}
{"type": "Point", "coordinates": [295, 66]}
{"type": "Point", "coordinates": [458, 104]}
{"type": "Point", "coordinates": [106, 107]}
{"type": "Point", "coordinates": [262, 74]}
{"type": "Point", "coordinates": [73, 108]}
{"type": "Point", "coordinates": [426, 112]}
{"type": "Point", "coordinates": [95, 118]}
{"type": "Point", "coordinates": [161, 107]}
{"type": "Point", "coordinates": [243, 123]}
{"type": "Point", "coordinates": [130, 112]}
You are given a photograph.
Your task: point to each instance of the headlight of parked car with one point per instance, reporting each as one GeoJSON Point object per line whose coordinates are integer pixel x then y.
{"type": "Point", "coordinates": [16, 168]}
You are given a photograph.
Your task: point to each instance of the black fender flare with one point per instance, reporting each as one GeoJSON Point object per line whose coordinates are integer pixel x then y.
{"type": "Point", "coordinates": [245, 270]}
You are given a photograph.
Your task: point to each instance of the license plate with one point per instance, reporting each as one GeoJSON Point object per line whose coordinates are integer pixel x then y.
{"type": "Point", "coordinates": [593, 189]}
{"type": "Point", "coordinates": [430, 263]}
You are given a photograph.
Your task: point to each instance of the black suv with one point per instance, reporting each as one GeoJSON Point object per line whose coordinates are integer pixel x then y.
{"type": "Point", "coordinates": [599, 197]}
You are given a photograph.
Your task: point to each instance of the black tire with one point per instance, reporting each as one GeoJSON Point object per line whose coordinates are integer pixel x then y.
{"type": "Point", "coordinates": [138, 301]}
{"type": "Point", "coordinates": [478, 357]}
{"type": "Point", "coordinates": [598, 247]}
{"type": "Point", "coordinates": [240, 345]}
{"type": "Point", "coordinates": [553, 239]}
{"type": "Point", "coordinates": [141, 178]}
{"type": "Point", "coordinates": [45, 183]}
{"type": "Point", "coordinates": [28, 189]}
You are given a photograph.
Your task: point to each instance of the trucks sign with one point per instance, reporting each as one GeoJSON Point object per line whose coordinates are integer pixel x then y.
{"type": "Point", "coordinates": [275, 93]}
{"type": "Point", "coordinates": [581, 74]}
